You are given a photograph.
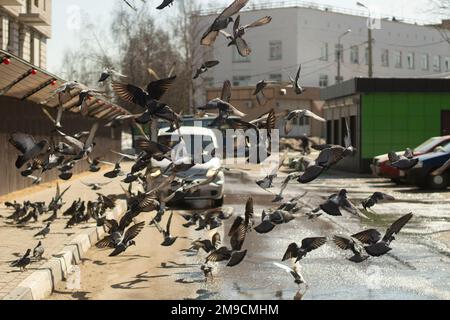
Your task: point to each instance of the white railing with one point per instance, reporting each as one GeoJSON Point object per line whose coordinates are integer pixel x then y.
{"type": "Point", "coordinates": [277, 4]}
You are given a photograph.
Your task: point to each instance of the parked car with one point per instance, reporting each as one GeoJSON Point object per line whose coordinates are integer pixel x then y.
{"type": "Point", "coordinates": [381, 166]}
{"type": "Point", "coordinates": [213, 191]}
{"type": "Point", "coordinates": [422, 174]}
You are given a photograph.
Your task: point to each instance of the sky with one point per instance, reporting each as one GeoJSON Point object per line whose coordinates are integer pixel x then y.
{"type": "Point", "coordinates": [68, 15]}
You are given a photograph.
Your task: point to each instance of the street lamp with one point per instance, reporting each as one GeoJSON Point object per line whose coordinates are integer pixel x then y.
{"type": "Point", "coordinates": [339, 78]}
{"type": "Point", "coordinates": [369, 29]}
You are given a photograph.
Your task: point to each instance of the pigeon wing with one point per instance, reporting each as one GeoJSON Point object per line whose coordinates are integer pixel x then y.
{"type": "Point", "coordinates": [291, 252]}
{"type": "Point", "coordinates": [368, 236]}
{"type": "Point", "coordinates": [133, 232]}
{"type": "Point", "coordinates": [397, 226]}
{"type": "Point", "coordinates": [233, 8]}
{"type": "Point", "coordinates": [130, 93]}
{"type": "Point", "coordinates": [258, 23]}
{"type": "Point", "coordinates": [310, 244]}
{"type": "Point", "coordinates": [156, 89]}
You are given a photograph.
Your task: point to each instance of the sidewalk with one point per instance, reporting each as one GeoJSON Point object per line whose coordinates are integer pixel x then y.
{"type": "Point", "coordinates": [67, 245]}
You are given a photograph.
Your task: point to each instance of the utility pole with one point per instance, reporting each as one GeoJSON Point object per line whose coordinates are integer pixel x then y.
{"type": "Point", "coordinates": [370, 52]}
{"type": "Point", "coordinates": [339, 56]}
{"type": "Point", "coordinates": [369, 41]}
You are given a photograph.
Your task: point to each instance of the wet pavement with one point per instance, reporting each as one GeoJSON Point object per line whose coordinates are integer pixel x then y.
{"type": "Point", "coordinates": [417, 268]}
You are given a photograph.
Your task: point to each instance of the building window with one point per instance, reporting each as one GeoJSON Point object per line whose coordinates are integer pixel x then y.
{"type": "Point", "coordinates": [425, 63]}
{"type": "Point", "coordinates": [276, 50]}
{"type": "Point", "coordinates": [324, 52]}
{"type": "Point", "coordinates": [354, 54]}
{"type": "Point", "coordinates": [339, 52]}
{"type": "Point", "coordinates": [385, 58]}
{"type": "Point", "coordinates": [447, 64]}
{"type": "Point", "coordinates": [240, 81]}
{"type": "Point", "coordinates": [237, 58]}
{"type": "Point", "coordinates": [276, 77]}
{"type": "Point", "coordinates": [437, 63]}
{"type": "Point", "coordinates": [410, 60]}
{"type": "Point", "coordinates": [398, 59]}
{"type": "Point", "coordinates": [323, 80]}
{"type": "Point", "coordinates": [5, 33]}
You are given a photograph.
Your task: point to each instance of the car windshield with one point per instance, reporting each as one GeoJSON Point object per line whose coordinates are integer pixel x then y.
{"type": "Point", "coordinates": [427, 145]}
{"type": "Point", "coordinates": [446, 147]}
{"type": "Point", "coordinates": [195, 144]}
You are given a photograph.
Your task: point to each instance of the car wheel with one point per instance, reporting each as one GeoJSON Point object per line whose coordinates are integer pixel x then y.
{"type": "Point", "coordinates": [439, 182]}
{"type": "Point", "coordinates": [218, 203]}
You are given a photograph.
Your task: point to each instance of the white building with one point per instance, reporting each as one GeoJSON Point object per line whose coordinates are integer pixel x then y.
{"type": "Point", "coordinates": [301, 33]}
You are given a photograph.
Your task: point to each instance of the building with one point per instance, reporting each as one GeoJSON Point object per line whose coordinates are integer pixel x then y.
{"type": "Point", "coordinates": [243, 99]}
{"type": "Point", "coordinates": [26, 87]}
{"type": "Point", "coordinates": [25, 27]}
{"type": "Point", "coordinates": [308, 34]}
{"type": "Point", "coordinates": [385, 114]}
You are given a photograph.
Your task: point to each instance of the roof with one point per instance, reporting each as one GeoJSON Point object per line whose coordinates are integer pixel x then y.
{"type": "Point", "coordinates": [373, 85]}
{"type": "Point", "coordinates": [24, 81]}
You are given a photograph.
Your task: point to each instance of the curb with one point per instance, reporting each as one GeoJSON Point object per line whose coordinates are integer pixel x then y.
{"type": "Point", "coordinates": [41, 283]}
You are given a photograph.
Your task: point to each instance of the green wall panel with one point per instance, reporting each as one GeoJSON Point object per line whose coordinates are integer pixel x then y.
{"type": "Point", "coordinates": [395, 121]}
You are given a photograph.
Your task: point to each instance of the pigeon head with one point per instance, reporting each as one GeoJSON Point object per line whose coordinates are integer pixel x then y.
{"type": "Point", "coordinates": [132, 243]}
{"type": "Point", "coordinates": [343, 193]}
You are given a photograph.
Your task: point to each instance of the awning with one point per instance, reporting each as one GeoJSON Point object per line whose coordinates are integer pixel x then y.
{"type": "Point", "coordinates": [21, 80]}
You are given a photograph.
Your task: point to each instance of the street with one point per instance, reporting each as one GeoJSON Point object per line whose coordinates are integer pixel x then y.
{"type": "Point", "coordinates": [416, 268]}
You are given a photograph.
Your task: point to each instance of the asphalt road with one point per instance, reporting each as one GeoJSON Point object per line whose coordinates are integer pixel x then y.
{"type": "Point", "coordinates": [417, 268]}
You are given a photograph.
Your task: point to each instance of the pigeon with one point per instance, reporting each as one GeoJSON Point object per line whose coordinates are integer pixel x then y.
{"type": "Point", "coordinates": [207, 245]}
{"type": "Point", "coordinates": [83, 149]}
{"type": "Point", "coordinates": [221, 22]}
{"type": "Point", "coordinates": [23, 262]}
{"type": "Point", "coordinates": [205, 67]}
{"type": "Point", "coordinates": [149, 100]}
{"type": "Point", "coordinates": [336, 202]}
{"type": "Point", "coordinates": [299, 114]}
{"type": "Point", "coordinates": [225, 108]}
{"type": "Point", "coordinates": [28, 146]}
{"type": "Point", "coordinates": [295, 272]}
{"type": "Point", "coordinates": [269, 221]}
{"type": "Point", "coordinates": [38, 251]}
{"type": "Point", "coordinates": [94, 164]}
{"type": "Point", "coordinates": [164, 4]}
{"type": "Point", "coordinates": [237, 39]}
{"type": "Point", "coordinates": [328, 158]}
{"type": "Point", "coordinates": [346, 243]}
{"type": "Point", "coordinates": [405, 162]}
{"type": "Point", "coordinates": [127, 240]}
{"type": "Point", "coordinates": [377, 246]}
{"type": "Point", "coordinates": [295, 83]}
{"type": "Point", "coordinates": [83, 97]}
{"type": "Point", "coordinates": [309, 244]}
{"type": "Point", "coordinates": [168, 239]}
{"type": "Point", "coordinates": [375, 198]}
{"type": "Point", "coordinates": [95, 186]}
{"type": "Point", "coordinates": [110, 73]}
{"type": "Point", "coordinates": [116, 172]}
{"type": "Point", "coordinates": [44, 232]}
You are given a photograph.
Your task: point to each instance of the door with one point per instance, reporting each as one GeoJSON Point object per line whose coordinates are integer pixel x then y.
{"type": "Point", "coordinates": [445, 122]}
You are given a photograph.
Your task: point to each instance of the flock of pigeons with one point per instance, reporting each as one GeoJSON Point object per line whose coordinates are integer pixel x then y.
{"type": "Point", "coordinates": [152, 194]}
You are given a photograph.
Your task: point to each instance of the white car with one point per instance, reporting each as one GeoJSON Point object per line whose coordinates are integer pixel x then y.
{"type": "Point", "coordinates": [202, 138]}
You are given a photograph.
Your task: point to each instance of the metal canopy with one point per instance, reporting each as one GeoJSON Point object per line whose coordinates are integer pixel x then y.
{"type": "Point", "coordinates": [19, 81]}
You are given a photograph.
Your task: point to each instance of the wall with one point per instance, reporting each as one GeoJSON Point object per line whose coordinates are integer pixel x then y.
{"type": "Point", "coordinates": [18, 116]}
{"type": "Point", "coordinates": [395, 121]}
